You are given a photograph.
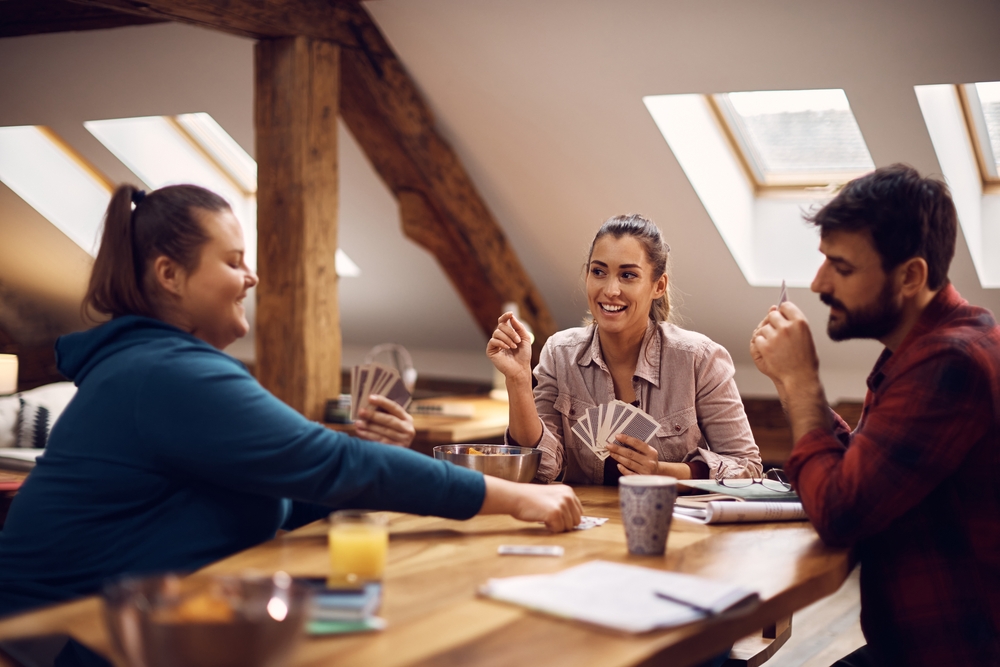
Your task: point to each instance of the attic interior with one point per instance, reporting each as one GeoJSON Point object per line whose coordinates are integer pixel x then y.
{"type": "Point", "coordinates": [545, 110]}
{"type": "Point", "coordinates": [559, 114]}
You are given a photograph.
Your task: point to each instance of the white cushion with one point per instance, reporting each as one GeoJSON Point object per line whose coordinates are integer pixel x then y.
{"type": "Point", "coordinates": [55, 397]}
{"type": "Point", "coordinates": [37, 410]}
{"type": "Point", "coordinates": [10, 412]}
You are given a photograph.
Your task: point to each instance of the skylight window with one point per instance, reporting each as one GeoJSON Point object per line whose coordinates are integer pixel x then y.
{"type": "Point", "coordinates": [159, 151]}
{"type": "Point", "coordinates": [194, 148]}
{"type": "Point", "coordinates": [55, 181]}
{"type": "Point", "coordinates": [982, 110]}
{"type": "Point", "coordinates": [796, 138]}
{"type": "Point", "coordinates": [228, 154]}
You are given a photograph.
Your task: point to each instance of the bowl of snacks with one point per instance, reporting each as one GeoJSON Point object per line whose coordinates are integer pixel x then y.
{"type": "Point", "coordinates": [206, 621]}
{"type": "Point", "coordinates": [517, 464]}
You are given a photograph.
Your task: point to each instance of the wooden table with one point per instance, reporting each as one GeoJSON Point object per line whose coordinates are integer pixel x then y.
{"type": "Point", "coordinates": [6, 496]}
{"type": "Point", "coordinates": [435, 566]}
{"type": "Point", "coordinates": [487, 425]}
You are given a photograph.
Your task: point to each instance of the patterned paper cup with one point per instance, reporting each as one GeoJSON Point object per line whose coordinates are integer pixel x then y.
{"type": "Point", "coordinates": [647, 503]}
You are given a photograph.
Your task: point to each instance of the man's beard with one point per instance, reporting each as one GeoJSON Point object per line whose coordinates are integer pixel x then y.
{"type": "Point", "coordinates": [873, 321]}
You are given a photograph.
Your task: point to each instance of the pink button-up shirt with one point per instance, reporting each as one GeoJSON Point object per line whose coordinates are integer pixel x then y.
{"type": "Point", "coordinates": [682, 379]}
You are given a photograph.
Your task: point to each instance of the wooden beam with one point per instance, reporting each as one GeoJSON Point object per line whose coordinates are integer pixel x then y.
{"type": "Point", "coordinates": [423, 225]}
{"type": "Point", "coordinates": [297, 330]}
{"type": "Point", "coordinates": [260, 19]}
{"type": "Point", "coordinates": [385, 112]}
{"type": "Point", "coordinates": [439, 205]}
{"type": "Point", "coordinates": [33, 17]}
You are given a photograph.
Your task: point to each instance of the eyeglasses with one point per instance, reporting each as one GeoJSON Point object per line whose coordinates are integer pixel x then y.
{"type": "Point", "coordinates": [774, 480]}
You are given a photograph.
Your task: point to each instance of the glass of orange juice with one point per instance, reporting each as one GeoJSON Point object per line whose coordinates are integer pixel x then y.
{"type": "Point", "coordinates": [359, 541]}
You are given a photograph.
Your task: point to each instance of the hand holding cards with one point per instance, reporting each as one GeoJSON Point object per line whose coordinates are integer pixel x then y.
{"type": "Point", "coordinates": [602, 423]}
{"type": "Point", "coordinates": [380, 380]}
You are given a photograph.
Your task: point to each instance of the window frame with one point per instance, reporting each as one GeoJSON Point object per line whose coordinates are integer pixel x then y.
{"type": "Point", "coordinates": [732, 129]}
{"type": "Point", "coordinates": [975, 123]}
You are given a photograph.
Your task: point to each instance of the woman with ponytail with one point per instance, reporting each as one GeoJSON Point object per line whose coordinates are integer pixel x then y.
{"type": "Point", "coordinates": [171, 455]}
{"type": "Point", "coordinates": [629, 352]}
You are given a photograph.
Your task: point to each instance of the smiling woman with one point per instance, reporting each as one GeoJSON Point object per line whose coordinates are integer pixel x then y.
{"type": "Point", "coordinates": [187, 247]}
{"type": "Point", "coordinates": [171, 455]}
{"type": "Point", "coordinates": [630, 353]}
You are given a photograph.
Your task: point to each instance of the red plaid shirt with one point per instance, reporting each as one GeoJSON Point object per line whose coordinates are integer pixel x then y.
{"type": "Point", "coordinates": [916, 489]}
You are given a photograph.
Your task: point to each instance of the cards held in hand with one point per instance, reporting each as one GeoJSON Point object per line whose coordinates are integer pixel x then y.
{"type": "Point", "coordinates": [380, 380]}
{"type": "Point", "coordinates": [602, 423]}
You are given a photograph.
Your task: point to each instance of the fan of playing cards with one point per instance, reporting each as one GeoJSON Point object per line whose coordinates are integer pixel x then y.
{"type": "Point", "coordinates": [376, 379]}
{"type": "Point", "coordinates": [601, 424]}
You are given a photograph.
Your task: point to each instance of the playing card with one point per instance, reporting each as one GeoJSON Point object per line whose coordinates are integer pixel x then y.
{"type": "Point", "coordinates": [354, 392]}
{"type": "Point", "coordinates": [588, 522]}
{"type": "Point", "coordinates": [601, 424]}
{"type": "Point", "coordinates": [621, 413]}
{"type": "Point", "coordinates": [783, 297]}
{"type": "Point", "coordinates": [386, 378]}
{"type": "Point", "coordinates": [530, 550]}
{"type": "Point", "coordinates": [360, 400]}
{"type": "Point", "coordinates": [594, 422]}
{"type": "Point", "coordinates": [379, 380]}
{"type": "Point", "coordinates": [398, 393]}
{"type": "Point", "coordinates": [639, 425]}
{"type": "Point", "coordinates": [581, 429]}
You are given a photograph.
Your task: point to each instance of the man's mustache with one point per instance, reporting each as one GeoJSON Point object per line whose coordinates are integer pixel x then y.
{"type": "Point", "coordinates": [830, 301]}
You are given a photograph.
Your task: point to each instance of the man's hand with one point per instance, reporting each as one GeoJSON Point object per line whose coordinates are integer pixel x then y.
{"type": "Point", "coordinates": [782, 349]}
{"type": "Point", "coordinates": [782, 346]}
{"type": "Point", "coordinates": [384, 420]}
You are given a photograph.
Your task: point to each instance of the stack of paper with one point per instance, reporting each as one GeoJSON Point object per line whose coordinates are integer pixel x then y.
{"type": "Point", "coordinates": [380, 380]}
{"type": "Point", "coordinates": [623, 597]}
{"type": "Point", "coordinates": [602, 423]}
{"type": "Point", "coordinates": [18, 458]}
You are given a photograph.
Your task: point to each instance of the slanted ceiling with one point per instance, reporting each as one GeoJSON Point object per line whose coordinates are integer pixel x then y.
{"type": "Point", "coordinates": [543, 103]}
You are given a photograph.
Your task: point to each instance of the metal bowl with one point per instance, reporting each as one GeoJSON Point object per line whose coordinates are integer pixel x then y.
{"type": "Point", "coordinates": [517, 464]}
{"type": "Point", "coordinates": [206, 621]}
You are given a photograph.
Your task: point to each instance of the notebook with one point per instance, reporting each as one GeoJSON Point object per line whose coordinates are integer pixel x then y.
{"type": "Point", "coordinates": [626, 598]}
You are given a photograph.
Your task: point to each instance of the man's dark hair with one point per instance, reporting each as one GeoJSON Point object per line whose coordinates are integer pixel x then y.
{"type": "Point", "coordinates": [906, 214]}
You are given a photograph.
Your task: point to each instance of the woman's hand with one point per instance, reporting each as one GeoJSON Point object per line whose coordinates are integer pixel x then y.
{"type": "Point", "coordinates": [385, 420]}
{"type": "Point", "coordinates": [637, 458]}
{"type": "Point", "coordinates": [555, 505]}
{"type": "Point", "coordinates": [510, 348]}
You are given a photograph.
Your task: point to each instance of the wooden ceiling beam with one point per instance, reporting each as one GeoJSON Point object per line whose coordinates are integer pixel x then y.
{"type": "Point", "coordinates": [440, 206]}
{"type": "Point", "coordinates": [35, 17]}
{"type": "Point", "coordinates": [261, 19]}
{"type": "Point", "coordinates": [385, 112]}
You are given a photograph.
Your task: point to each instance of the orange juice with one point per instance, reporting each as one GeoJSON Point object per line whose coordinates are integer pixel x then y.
{"type": "Point", "coordinates": [358, 548]}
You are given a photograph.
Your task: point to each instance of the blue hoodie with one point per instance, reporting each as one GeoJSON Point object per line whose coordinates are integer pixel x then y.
{"type": "Point", "coordinates": [171, 456]}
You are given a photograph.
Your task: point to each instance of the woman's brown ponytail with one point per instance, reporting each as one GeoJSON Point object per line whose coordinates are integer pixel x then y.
{"type": "Point", "coordinates": [114, 284]}
{"type": "Point", "coordinates": [163, 223]}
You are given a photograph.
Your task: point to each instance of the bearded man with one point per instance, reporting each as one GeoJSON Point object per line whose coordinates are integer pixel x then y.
{"type": "Point", "coordinates": [915, 488]}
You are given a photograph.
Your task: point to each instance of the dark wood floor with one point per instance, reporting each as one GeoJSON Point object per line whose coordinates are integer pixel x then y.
{"type": "Point", "coordinates": [825, 631]}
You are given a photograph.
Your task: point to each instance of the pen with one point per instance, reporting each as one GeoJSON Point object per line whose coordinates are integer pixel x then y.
{"type": "Point", "coordinates": [704, 610]}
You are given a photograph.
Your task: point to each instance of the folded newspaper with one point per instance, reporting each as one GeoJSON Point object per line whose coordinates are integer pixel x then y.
{"type": "Point", "coordinates": [627, 598]}
{"type": "Point", "coordinates": [714, 503]}
{"type": "Point", "coordinates": [728, 511]}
